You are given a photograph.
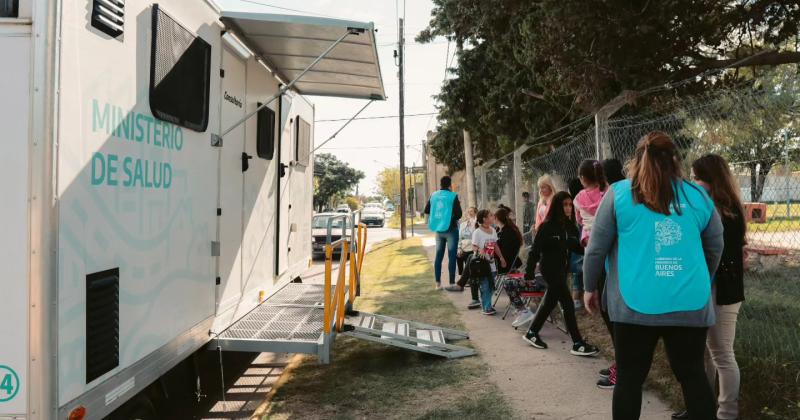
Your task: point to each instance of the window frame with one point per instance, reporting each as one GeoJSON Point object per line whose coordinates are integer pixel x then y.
{"type": "Point", "coordinates": [297, 141]}
{"type": "Point", "coordinates": [260, 129]}
{"type": "Point", "coordinates": [202, 126]}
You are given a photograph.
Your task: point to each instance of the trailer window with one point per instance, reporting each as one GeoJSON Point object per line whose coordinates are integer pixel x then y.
{"type": "Point", "coordinates": [180, 71]}
{"type": "Point", "coordinates": [265, 133]}
{"type": "Point", "coordinates": [9, 8]}
{"type": "Point", "coordinates": [302, 142]}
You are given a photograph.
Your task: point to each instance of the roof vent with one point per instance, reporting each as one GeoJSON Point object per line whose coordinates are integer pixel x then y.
{"type": "Point", "coordinates": [109, 16]}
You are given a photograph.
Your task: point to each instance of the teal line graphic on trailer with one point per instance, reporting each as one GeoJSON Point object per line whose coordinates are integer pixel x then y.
{"type": "Point", "coordinates": [114, 170]}
{"type": "Point", "coordinates": [9, 383]}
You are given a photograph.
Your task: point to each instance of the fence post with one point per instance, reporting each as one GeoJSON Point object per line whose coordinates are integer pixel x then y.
{"type": "Point", "coordinates": [787, 174]}
{"type": "Point", "coordinates": [518, 201]}
{"type": "Point", "coordinates": [601, 140]}
{"type": "Point", "coordinates": [469, 169]}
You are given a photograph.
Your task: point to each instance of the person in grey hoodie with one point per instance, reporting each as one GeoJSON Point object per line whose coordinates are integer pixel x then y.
{"type": "Point", "coordinates": [662, 238]}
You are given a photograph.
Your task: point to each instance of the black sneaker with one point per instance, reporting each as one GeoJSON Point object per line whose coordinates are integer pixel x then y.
{"type": "Point", "coordinates": [605, 373]}
{"type": "Point", "coordinates": [605, 383]}
{"type": "Point", "coordinates": [681, 415]}
{"type": "Point", "coordinates": [582, 348]}
{"type": "Point", "coordinates": [533, 339]}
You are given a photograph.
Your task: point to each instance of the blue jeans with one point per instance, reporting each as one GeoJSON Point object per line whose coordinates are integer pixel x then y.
{"type": "Point", "coordinates": [449, 238]}
{"type": "Point", "coordinates": [576, 268]}
{"type": "Point", "coordinates": [486, 285]}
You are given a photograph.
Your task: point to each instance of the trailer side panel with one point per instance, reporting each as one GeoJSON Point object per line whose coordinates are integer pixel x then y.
{"type": "Point", "coordinates": [137, 201]}
{"type": "Point", "coordinates": [15, 43]}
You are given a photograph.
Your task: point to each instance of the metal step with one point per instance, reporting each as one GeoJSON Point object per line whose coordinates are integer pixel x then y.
{"type": "Point", "coordinates": [436, 336]}
{"type": "Point", "coordinates": [415, 336]}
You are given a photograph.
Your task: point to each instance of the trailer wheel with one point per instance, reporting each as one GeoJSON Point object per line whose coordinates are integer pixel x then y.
{"type": "Point", "coordinates": [141, 409]}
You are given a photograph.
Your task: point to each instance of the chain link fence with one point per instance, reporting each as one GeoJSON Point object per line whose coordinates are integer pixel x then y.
{"type": "Point", "coordinates": [755, 127]}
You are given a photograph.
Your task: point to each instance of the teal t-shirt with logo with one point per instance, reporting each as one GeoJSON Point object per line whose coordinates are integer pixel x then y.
{"type": "Point", "coordinates": [662, 266]}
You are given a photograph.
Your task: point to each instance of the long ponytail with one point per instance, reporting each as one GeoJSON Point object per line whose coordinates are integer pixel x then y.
{"type": "Point", "coordinates": [655, 170]}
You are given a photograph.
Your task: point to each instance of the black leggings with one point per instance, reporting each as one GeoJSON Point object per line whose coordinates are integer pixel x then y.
{"type": "Point", "coordinates": [462, 281]}
{"type": "Point", "coordinates": [557, 292]}
{"type": "Point", "coordinates": [606, 320]}
{"type": "Point", "coordinates": [634, 346]}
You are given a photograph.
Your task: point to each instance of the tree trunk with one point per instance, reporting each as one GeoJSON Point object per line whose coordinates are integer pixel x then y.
{"type": "Point", "coordinates": [753, 175]}
{"type": "Point", "coordinates": [761, 180]}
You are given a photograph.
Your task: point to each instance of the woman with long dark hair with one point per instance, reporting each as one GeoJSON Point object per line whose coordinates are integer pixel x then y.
{"type": "Point", "coordinates": [712, 173]}
{"type": "Point", "coordinates": [555, 238]}
{"type": "Point", "coordinates": [663, 240]}
{"type": "Point", "coordinates": [509, 240]}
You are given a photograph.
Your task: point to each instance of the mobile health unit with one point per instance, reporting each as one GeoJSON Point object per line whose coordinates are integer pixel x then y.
{"type": "Point", "coordinates": [157, 186]}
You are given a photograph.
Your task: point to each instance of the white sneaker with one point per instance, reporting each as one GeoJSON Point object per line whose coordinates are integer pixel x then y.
{"type": "Point", "coordinates": [578, 304]}
{"type": "Point", "coordinates": [523, 318]}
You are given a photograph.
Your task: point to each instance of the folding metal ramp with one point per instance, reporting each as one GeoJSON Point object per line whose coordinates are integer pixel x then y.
{"type": "Point", "coordinates": [406, 334]}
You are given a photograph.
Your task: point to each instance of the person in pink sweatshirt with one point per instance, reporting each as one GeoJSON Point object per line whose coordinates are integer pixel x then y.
{"type": "Point", "coordinates": [588, 200]}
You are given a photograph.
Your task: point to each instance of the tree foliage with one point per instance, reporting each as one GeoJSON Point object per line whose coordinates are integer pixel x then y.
{"type": "Point", "coordinates": [332, 178]}
{"type": "Point", "coordinates": [757, 131]}
{"type": "Point", "coordinates": [529, 67]}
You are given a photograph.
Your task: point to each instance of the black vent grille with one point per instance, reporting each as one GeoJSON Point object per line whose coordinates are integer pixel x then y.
{"type": "Point", "coordinates": [102, 323]}
{"type": "Point", "coordinates": [109, 16]}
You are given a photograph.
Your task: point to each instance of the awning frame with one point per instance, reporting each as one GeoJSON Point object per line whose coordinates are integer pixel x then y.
{"type": "Point", "coordinates": [286, 87]}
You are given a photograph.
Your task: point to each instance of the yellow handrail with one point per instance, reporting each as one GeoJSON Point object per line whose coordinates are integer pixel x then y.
{"type": "Point", "coordinates": [340, 286]}
{"type": "Point", "coordinates": [327, 292]}
{"type": "Point", "coordinates": [351, 259]}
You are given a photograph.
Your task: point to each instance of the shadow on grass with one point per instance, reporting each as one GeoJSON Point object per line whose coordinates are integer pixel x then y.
{"type": "Point", "coordinates": [370, 380]}
{"type": "Point", "coordinates": [767, 348]}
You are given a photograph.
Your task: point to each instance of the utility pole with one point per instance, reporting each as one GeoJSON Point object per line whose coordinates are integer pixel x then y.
{"type": "Point", "coordinates": [401, 39]}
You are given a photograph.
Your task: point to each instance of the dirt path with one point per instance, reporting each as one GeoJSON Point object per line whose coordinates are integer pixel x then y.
{"type": "Point", "coordinates": [541, 384]}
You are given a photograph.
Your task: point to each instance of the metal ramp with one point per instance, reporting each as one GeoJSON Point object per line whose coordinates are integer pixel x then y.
{"type": "Point", "coordinates": [305, 318]}
{"type": "Point", "coordinates": [409, 335]}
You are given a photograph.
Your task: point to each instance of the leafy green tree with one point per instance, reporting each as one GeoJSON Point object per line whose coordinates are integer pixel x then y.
{"type": "Point", "coordinates": [529, 67]}
{"type": "Point", "coordinates": [332, 178]}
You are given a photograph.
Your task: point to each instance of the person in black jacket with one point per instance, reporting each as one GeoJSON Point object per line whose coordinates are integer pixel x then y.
{"type": "Point", "coordinates": [509, 240]}
{"type": "Point", "coordinates": [554, 240]}
{"type": "Point", "coordinates": [712, 173]}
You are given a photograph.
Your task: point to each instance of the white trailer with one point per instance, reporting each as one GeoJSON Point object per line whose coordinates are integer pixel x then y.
{"type": "Point", "coordinates": [158, 184]}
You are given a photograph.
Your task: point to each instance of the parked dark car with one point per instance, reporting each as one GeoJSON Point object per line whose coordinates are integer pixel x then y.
{"type": "Point", "coordinates": [319, 232]}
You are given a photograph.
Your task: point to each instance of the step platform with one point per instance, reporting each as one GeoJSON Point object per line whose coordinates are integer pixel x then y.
{"type": "Point", "coordinates": [289, 321]}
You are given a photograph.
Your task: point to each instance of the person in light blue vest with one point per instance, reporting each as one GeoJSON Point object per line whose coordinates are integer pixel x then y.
{"type": "Point", "coordinates": [662, 237]}
{"type": "Point", "coordinates": [444, 210]}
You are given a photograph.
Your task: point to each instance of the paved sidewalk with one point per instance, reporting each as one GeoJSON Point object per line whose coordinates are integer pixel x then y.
{"type": "Point", "coordinates": [541, 384]}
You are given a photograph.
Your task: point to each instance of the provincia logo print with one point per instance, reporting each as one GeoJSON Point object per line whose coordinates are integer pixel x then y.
{"type": "Point", "coordinates": [668, 233]}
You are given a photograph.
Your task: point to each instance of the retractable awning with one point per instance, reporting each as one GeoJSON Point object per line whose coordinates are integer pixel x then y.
{"type": "Point", "coordinates": [290, 44]}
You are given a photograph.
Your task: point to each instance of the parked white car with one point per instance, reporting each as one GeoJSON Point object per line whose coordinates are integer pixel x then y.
{"type": "Point", "coordinates": [373, 214]}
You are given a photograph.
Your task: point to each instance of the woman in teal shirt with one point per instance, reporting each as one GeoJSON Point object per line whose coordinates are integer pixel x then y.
{"type": "Point", "coordinates": [663, 239]}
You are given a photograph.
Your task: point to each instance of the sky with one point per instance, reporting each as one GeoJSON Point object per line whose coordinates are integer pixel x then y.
{"type": "Point", "coordinates": [372, 145]}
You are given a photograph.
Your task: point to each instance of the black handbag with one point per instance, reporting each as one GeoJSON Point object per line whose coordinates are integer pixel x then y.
{"type": "Point", "coordinates": [479, 268]}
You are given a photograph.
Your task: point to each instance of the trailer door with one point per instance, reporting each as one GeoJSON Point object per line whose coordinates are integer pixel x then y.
{"type": "Point", "coordinates": [231, 182]}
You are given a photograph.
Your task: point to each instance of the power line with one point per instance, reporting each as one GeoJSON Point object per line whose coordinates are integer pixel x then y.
{"type": "Point", "coordinates": [380, 117]}
{"type": "Point", "coordinates": [288, 9]}
{"type": "Point", "coordinates": [395, 146]}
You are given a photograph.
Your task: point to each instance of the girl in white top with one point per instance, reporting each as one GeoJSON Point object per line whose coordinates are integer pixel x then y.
{"type": "Point", "coordinates": [484, 244]}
